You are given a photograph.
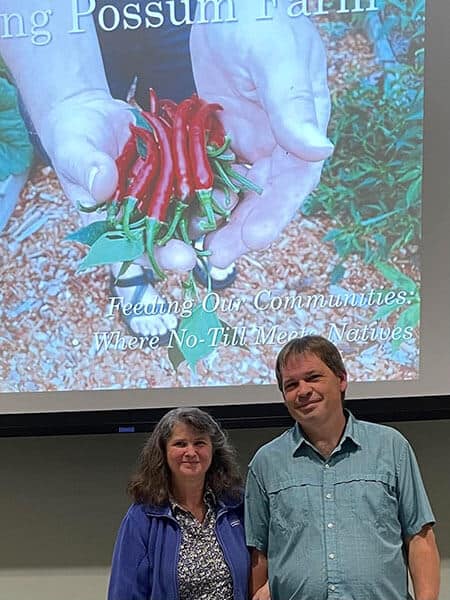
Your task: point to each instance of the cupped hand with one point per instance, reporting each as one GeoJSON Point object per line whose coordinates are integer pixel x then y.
{"type": "Point", "coordinates": [270, 76]}
{"type": "Point", "coordinates": [83, 135]}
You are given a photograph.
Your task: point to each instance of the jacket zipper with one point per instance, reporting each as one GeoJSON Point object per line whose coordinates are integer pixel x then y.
{"type": "Point", "coordinates": [220, 514]}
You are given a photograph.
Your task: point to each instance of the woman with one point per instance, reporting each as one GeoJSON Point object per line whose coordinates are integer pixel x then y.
{"type": "Point", "coordinates": [183, 538]}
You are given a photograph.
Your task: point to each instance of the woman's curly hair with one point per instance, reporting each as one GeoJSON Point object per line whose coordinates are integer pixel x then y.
{"type": "Point", "coordinates": [151, 483]}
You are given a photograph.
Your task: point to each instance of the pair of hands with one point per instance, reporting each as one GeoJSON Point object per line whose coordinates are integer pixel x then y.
{"type": "Point", "coordinates": [276, 109]}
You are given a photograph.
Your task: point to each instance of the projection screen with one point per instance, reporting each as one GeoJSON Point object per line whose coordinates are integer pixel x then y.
{"type": "Point", "coordinates": [185, 186]}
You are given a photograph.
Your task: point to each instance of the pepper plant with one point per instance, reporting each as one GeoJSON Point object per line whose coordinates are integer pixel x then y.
{"type": "Point", "coordinates": [16, 152]}
{"type": "Point", "coordinates": [371, 186]}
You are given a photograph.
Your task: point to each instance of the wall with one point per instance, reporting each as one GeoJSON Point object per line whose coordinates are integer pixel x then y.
{"type": "Point", "coordinates": [62, 499]}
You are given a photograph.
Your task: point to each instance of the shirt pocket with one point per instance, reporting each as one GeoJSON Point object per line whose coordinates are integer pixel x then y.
{"type": "Point", "coordinates": [372, 498]}
{"type": "Point", "coordinates": [290, 505]}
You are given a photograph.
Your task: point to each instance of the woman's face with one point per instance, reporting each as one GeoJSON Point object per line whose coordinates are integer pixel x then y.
{"type": "Point", "coordinates": [189, 454]}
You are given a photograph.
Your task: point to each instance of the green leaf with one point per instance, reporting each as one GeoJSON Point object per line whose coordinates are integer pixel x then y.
{"type": "Point", "coordinates": [332, 235]}
{"type": "Point", "coordinates": [337, 274]}
{"type": "Point", "coordinates": [140, 120]}
{"type": "Point", "coordinates": [175, 356]}
{"type": "Point", "coordinates": [400, 280]}
{"type": "Point", "coordinates": [410, 317]}
{"type": "Point", "coordinates": [195, 338]}
{"type": "Point", "coordinates": [89, 235]}
{"type": "Point", "coordinates": [378, 218]}
{"type": "Point", "coordinates": [16, 152]}
{"type": "Point", "coordinates": [409, 176]}
{"type": "Point", "coordinates": [111, 248]}
{"type": "Point", "coordinates": [414, 192]}
{"type": "Point", "coordinates": [343, 245]}
{"type": "Point", "coordinates": [385, 311]}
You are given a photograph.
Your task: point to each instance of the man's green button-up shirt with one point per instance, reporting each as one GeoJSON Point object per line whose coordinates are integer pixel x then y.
{"type": "Point", "coordinates": [335, 528]}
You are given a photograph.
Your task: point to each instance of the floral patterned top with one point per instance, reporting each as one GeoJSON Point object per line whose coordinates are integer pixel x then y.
{"type": "Point", "coordinates": [203, 573]}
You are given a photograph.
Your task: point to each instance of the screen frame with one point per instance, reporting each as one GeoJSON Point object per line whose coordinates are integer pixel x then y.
{"type": "Point", "coordinates": [233, 416]}
{"type": "Point", "coordinates": [393, 403]}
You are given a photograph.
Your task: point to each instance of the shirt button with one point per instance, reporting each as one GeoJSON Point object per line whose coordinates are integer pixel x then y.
{"type": "Point", "coordinates": [331, 587]}
{"type": "Point", "coordinates": [331, 555]}
{"type": "Point", "coordinates": [327, 466]}
{"type": "Point", "coordinates": [330, 525]}
{"type": "Point", "coordinates": [328, 496]}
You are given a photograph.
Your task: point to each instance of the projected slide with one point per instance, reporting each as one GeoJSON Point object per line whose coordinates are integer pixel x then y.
{"type": "Point", "coordinates": [185, 186]}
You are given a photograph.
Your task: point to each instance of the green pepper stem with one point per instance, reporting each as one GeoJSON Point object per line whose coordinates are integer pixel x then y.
{"type": "Point", "coordinates": [223, 212]}
{"type": "Point", "coordinates": [244, 181]}
{"type": "Point", "coordinates": [224, 176]}
{"type": "Point", "coordinates": [206, 201]}
{"type": "Point", "coordinates": [201, 253]}
{"type": "Point", "coordinates": [180, 208]}
{"type": "Point", "coordinates": [208, 275]}
{"type": "Point", "coordinates": [227, 158]}
{"type": "Point", "coordinates": [152, 227]}
{"type": "Point", "coordinates": [137, 224]}
{"type": "Point", "coordinates": [111, 213]}
{"type": "Point", "coordinates": [215, 152]}
{"type": "Point", "coordinates": [184, 231]}
{"type": "Point", "coordinates": [190, 288]}
{"type": "Point", "coordinates": [128, 208]}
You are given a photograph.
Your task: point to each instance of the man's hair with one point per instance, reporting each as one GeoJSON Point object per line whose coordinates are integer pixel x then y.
{"type": "Point", "coordinates": [152, 481]}
{"type": "Point", "coordinates": [311, 344]}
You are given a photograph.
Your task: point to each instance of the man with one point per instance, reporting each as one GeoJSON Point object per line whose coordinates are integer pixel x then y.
{"type": "Point", "coordinates": [336, 507]}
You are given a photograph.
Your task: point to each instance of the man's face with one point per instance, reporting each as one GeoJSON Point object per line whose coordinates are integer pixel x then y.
{"type": "Point", "coordinates": [311, 391]}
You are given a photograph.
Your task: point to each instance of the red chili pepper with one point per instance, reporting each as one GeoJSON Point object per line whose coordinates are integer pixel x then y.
{"type": "Point", "coordinates": [184, 187]}
{"type": "Point", "coordinates": [124, 162]}
{"type": "Point", "coordinates": [153, 101]}
{"type": "Point", "coordinates": [159, 202]}
{"type": "Point", "coordinates": [137, 166]}
{"type": "Point", "coordinates": [202, 173]}
{"type": "Point", "coordinates": [167, 109]}
{"type": "Point", "coordinates": [163, 120]}
{"type": "Point", "coordinates": [216, 136]}
{"type": "Point", "coordinates": [142, 185]}
{"type": "Point", "coordinates": [139, 187]}
{"type": "Point", "coordinates": [163, 190]}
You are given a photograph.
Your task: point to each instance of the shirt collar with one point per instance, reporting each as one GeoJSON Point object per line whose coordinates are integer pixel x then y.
{"type": "Point", "coordinates": [350, 433]}
{"type": "Point", "coordinates": [208, 497]}
{"type": "Point", "coordinates": [351, 430]}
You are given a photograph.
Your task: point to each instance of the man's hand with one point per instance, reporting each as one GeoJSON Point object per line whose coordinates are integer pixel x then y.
{"type": "Point", "coordinates": [259, 575]}
{"type": "Point", "coordinates": [423, 562]}
{"type": "Point", "coordinates": [263, 593]}
{"type": "Point", "coordinates": [276, 109]}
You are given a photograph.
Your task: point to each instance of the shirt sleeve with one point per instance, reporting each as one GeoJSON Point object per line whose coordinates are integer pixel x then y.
{"type": "Point", "coordinates": [130, 567]}
{"type": "Point", "coordinates": [414, 507]}
{"type": "Point", "coordinates": [256, 513]}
